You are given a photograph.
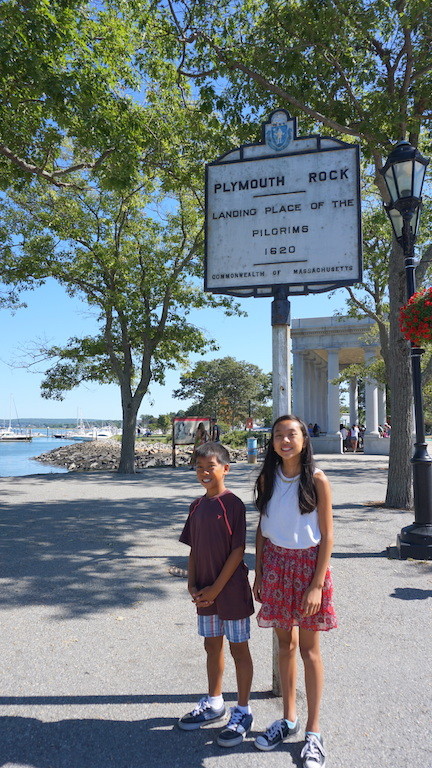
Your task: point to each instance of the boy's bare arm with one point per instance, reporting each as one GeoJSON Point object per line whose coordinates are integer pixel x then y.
{"type": "Point", "coordinates": [191, 574]}
{"type": "Point", "coordinates": [208, 595]}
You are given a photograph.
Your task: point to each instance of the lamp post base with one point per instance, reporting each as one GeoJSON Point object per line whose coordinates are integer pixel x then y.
{"type": "Point", "coordinates": [415, 541]}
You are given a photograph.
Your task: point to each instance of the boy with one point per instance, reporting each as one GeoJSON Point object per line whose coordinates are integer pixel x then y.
{"type": "Point", "coordinates": [218, 583]}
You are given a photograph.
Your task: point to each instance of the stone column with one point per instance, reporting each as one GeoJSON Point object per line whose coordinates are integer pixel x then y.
{"type": "Point", "coordinates": [318, 412]}
{"type": "Point", "coordinates": [298, 384]}
{"type": "Point", "coordinates": [333, 405]}
{"type": "Point", "coordinates": [314, 415]}
{"type": "Point", "coordinates": [371, 399]}
{"type": "Point", "coordinates": [382, 416]}
{"type": "Point", "coordinates": [323, 398]}
{"type": "Point", "coordinates": [307, 394]}
{"type": "Point", "coordinates": [353, 401]}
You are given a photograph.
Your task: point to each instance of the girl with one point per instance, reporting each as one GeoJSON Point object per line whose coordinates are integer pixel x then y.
{"type": "Point", "coordinates": [201, 437]}
{"type": "Point", "coordinates": [293, 582]}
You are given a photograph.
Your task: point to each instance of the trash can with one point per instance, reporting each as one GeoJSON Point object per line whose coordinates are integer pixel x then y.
{"type": "Point", "coordinates": [252, 450]}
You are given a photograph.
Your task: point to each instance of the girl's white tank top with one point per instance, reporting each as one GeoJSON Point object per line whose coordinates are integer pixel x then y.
{"type": "Point", "coordinates": [284, 524]}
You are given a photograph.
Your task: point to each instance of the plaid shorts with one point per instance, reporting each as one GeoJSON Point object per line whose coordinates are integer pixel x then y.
{"type": "Point", "coordinates": [235, 630]}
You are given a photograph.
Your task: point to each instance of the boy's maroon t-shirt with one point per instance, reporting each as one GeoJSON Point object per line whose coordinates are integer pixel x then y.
{"type": "Point", "coordinates": [214, 528]}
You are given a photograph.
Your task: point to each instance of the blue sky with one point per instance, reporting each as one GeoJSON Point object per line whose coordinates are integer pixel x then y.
{"type": "Point", "coordinates": [52, 317]}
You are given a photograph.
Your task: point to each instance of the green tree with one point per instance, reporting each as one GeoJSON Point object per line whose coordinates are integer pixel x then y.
{"type": "Point", "coordinates": [67, 72]}
{"type": "Point", "coordinates": [164, 422]}
{"type": "Point", "coordinates": [361, 70]}
{"type": "Point", "coordinates": [371, 298]}
{"type": "Point", "coordinates": [139, 270]}
{"type": "Point", "coordinates": [146, 419]}
{"type": "Point", "coordinates": [225, 388]}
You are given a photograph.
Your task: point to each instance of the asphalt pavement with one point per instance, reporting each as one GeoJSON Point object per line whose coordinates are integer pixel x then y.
{"type": "Point", "coordinates": [98, 645]}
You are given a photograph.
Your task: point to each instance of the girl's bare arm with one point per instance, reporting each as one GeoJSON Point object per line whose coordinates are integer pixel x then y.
{"type": "Point", "coordinates": [313, 596]}
{"type": "Point", "coordinates": [259, 544]}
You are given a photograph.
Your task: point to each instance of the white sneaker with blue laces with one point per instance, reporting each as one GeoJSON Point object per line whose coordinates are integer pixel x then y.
{"type": "Point", "coordinates": [201, 715]}
{"type": "Point", "coordinates": [275, 734]}
{"type": "Point", "coordinates": [312, 754]}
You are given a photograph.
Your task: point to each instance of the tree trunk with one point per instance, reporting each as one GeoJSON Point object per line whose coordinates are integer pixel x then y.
{"type": "Point", "coordinates": [127, 453]}
{"type": "Point", "coordinates": [399, 481]}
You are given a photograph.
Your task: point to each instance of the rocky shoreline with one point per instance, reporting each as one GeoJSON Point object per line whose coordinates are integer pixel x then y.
{"type": "Point", "coordinates": [105, 455]}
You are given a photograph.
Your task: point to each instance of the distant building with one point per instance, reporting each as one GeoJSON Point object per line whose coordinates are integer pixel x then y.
{"type": "Point", "coordinates": [321, 348]}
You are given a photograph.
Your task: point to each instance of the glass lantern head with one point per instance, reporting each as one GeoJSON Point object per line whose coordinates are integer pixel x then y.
{"type": "Point", "coordinates": [397, 218]}
{"type": "Point", "coordinates": [404, 172]}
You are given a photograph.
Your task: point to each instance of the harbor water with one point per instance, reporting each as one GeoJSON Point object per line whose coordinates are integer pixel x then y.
{"type": "Point", "coordinates": [17, 458]}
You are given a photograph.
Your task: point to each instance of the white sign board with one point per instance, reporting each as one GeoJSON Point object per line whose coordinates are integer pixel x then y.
{"type": "Point", "coordinates": [290, 219]}
{"type": "Point", "coordinates": [184, 429]}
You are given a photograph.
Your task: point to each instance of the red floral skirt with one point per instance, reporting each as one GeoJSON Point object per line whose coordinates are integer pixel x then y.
{"type": "Point", "coordinates": [287, 574]}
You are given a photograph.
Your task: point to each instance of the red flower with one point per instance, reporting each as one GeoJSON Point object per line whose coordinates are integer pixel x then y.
{"type": "Point", "coordinates": [415, 320]}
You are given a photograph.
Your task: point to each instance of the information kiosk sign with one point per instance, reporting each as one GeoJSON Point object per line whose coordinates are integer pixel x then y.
{"type": "Point", "coordinates": [285, 212]}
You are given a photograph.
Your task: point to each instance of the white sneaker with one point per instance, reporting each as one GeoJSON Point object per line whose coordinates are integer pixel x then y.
{"type": "Point", "coordinates": [312, 754]}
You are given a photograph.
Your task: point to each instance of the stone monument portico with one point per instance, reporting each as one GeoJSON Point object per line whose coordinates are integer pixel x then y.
{"type": "Point", "coordinates": [321, 348]}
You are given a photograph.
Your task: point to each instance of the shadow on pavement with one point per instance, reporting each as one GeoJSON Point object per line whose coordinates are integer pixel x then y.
{"type": "Point", "coordinates": [409, 593]}
{"type": "Point", "coordinates": [93, 554]}
{"type": "Point", "coordinates": [94, 743]}
{"type": "Point", "coordinates": [344, 555]}
{"type": "Point", "coordinates": [145, 698]}
{"type": "Point", "coordinates": [86, 555]}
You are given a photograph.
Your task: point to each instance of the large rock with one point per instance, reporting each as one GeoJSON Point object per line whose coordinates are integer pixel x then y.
{"type": "Point", "coordinates": [105, 455]}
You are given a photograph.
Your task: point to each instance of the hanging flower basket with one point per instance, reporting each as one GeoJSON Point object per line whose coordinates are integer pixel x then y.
{"type": "Point", "coordinates": [415, 318]}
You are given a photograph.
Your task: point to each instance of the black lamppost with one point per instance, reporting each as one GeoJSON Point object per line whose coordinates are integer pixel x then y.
{"type": "Point", "coordinates": [404, 174]}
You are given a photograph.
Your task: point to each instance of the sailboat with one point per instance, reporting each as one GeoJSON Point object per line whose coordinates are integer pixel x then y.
{"type": "Point", "coordinates": [81, 433]}
{"type": "Point", "coordinates": [8, 435]}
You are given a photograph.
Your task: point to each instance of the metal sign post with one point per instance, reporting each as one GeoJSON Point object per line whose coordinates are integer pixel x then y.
{"type": "Point", "coordinates": [280, 320]}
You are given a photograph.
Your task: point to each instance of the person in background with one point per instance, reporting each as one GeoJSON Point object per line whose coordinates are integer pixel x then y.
{"type": "Point", "coordinates": [200, 437]}
{"type": "Point", "coordinates": [215, 432]}
{"type": "Point", "coordinates": [344, 435]}
{"type": "Point", "coordinates": [354, 437]}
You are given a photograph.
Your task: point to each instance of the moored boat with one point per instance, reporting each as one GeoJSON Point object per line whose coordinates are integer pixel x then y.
{"type": "Point", "coordinates": [9, 435]}
{"type": "Point", "coordinates": [81, 436]}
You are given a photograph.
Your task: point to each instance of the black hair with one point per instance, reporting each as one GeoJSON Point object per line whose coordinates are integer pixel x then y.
{"type": "Point", "coordinates": [213, 449]}
{"type": "Point", "coordinates": [264, 485]}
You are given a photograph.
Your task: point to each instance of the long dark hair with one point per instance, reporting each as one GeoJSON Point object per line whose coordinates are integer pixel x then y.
{"type": "Point", "coordinates": [264, 485]}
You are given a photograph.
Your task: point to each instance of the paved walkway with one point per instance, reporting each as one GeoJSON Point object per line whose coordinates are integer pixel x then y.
{"type": "Point", "coordinates": [99, 655]}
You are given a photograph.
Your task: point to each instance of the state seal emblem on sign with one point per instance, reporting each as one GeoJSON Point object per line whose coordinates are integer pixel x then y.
{"type": "Point", "coordinates": [278, 134]}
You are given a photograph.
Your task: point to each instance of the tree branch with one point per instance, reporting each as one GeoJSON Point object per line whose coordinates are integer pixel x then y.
{"type": "Point", "coordinates": [52, 176]}
{"type": "Point", "coordinates": [419, 73]}
{"type": "Point", "coordinates": [332, 60]}
{"type": "Point", "coordinates": [234, 64]}
{"type": "Point", "coordinates": [81, 166]}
